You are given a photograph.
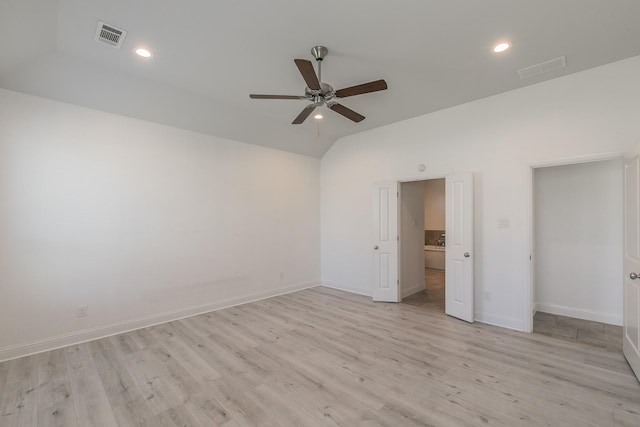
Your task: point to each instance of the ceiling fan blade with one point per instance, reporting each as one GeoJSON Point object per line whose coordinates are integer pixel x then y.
{"type": "Point", "coordinates": [304, 114]}
{"type": "Point", "coordinates": [347, 112]}
{"type": "Point", "coordinates": [308, 73]}
{"type": "Point", "coordinates": [363, 88]}
{"type": "Point", "coordinates": [254, 96]}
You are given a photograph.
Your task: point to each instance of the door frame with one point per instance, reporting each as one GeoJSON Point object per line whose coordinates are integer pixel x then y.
{"type": "Point", "coordinates": [402, 181]}
{"type": "Point", "coordinates": [629, 349]}
{"type": "Point", "coordinates": [528, 253]}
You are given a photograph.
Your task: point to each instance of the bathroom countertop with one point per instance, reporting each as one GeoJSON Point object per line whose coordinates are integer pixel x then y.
{"type": "Point", "coordinates": [434, 248]}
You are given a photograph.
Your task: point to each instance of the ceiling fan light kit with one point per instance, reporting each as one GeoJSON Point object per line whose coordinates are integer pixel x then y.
{"type": "Point", "coordinates": [320, 94]}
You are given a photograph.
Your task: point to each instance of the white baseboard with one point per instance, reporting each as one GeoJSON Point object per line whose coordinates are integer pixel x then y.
{"type": "Point", "coordinates": [490, 319]}
{"type": "Point", "coordinates": [346, 288]}
{"type": "Point", "coordinates": [502, 321]}
{"type": "Point", "coordinates": [595, 316]}
{"type": "Point", "coordinates": [46, 344]}
{"type": "Point", "coordinates": [410, 290]}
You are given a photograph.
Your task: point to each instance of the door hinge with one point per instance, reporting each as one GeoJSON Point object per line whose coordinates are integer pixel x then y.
{"type": "Point", "coordinates": [398, 238]}
{"type": "Point", "coordinates": [397, 194]}
{"type": "Point", "coordinates": [398, 281]}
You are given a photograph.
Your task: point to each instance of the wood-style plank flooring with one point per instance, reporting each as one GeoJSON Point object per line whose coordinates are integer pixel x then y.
{"type": "Point", "coordinates": [321, 357]}
{"type": "Point", "coordinates": [597, 334]}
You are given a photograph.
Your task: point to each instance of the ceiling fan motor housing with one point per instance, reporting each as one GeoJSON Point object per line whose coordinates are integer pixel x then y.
{"type": "Point", "coordinates": [326, 93]}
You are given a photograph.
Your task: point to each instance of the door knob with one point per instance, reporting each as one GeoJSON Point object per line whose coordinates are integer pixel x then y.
{"type": "Point", "coordinates": [467, 254]}
{"type": "Point", "coordinates": [633, 276]}
{"type": "Point", "coordinates": [375, 247]}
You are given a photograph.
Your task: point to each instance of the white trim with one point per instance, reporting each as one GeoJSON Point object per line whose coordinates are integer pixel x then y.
{"type": "Point", "coordinates": [529, 285]}
{"type": "Point", "coordinates": [574, 160]}
{"type": "Point", "coordinates": [52, 343]}
{"type": "Point", "coordinates": [349, 289]}
{"type": "Point", "coordinates": [422, 178]}
{"type": "Point", "coordinates": [410, 290]}
{"type": "Point", "coordinates": [578, 313]}
{"type": "Point", "coordinates": [528, 297]}
{"type": "Point", "coordinates": [497, 320]}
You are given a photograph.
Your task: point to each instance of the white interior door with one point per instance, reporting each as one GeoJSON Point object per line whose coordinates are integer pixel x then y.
{"type": "Point", "coordinates": [385, 241]}
{"type": "Point", "coordinates": [459, 246]}
{"type": "Point", "coordinates": [631, 298]}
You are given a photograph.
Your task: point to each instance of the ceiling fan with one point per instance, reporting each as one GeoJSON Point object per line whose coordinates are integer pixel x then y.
{"type": "Point", "coordinates": [322, 93]}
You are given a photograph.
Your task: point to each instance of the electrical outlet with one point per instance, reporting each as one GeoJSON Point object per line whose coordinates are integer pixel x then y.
{"type": "Point", "coordinates": [487, 296]}
{"type": "Point", "coordinates": [82, 311]}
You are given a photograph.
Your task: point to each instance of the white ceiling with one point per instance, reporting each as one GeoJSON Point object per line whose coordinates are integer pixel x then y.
{"type": "Point", "coordinates": [211, 54]}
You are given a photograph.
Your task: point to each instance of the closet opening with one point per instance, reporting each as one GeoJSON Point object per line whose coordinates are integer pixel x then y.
{"type": "Point", "coordinates": [577, 252]}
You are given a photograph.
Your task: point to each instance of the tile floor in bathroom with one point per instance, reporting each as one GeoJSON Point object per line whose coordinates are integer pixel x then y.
{"type": "Point", "coordinates": [433, 295]}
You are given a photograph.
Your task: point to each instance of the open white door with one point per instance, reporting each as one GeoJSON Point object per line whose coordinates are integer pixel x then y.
{"type": "Point", "coordinates": [459, 254]}
{"type": "Point", "coordinates": [385, 241]}
{"type": "Point", "coordinates": [631, 298]}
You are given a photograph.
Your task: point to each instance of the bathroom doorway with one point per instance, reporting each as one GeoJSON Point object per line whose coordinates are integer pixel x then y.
{"type": "Point", "coordinates": [423, 243]}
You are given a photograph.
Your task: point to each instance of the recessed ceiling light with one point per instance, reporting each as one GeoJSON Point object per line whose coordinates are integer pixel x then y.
{"type": "Point", "coordinates": [145, 53]}
{"type": "Point", "coordinates": [501, 47]}
{"type": "Point", "coordinates": [318, 116]}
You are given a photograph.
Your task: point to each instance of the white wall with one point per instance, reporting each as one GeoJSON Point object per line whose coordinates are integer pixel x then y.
{"type": "Point", "coordinates": [141, 222]}
{"type": "Point", "coordinates": [434, 204]}
{"type": "Point", "coordinates": [498, 138]}
{"type": "Point", "coordinates": [578, 240]}
{"type": "Point", "coordinates": [412, 237]}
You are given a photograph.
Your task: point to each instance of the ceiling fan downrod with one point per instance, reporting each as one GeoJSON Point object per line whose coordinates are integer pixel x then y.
{"type": "Point", "coordinates": [319, 52]}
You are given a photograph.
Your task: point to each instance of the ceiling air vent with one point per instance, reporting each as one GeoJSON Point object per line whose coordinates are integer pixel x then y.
{"type": "Point", "coordinates": [108, 34]}
{"type": "Point", "coordinates": [543, 67]}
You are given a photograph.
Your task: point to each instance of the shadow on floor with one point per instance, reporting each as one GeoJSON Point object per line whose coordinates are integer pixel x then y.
{"type": "Point", "coordinates": [433, 295]}
{"type": "Point", "coordinates": [596, 334]}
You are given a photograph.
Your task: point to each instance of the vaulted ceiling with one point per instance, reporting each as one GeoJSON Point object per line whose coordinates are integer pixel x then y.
{"type": "Point", "coordinates": [209, 55]}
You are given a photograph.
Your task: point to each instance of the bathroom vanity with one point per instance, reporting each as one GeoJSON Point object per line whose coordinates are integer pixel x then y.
{"type": "Point", "coordinates": [434, 257]}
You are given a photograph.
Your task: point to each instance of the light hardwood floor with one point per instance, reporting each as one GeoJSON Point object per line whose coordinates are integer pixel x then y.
{"type": "Point", "coordinates": [597, 334]}
{"type": "Point", "coordinates": [321, 357]}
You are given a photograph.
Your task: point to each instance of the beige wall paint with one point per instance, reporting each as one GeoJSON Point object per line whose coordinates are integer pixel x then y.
{"type": "Point", "coordinates": [434, 204]}
{"type": "Point", "coordinates": [412, 237]}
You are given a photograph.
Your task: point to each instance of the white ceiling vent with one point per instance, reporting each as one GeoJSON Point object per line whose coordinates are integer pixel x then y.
{"type": "Point", "coordinates": [543, 67]}
{"type": "Point", "coordinates": [108, 34]}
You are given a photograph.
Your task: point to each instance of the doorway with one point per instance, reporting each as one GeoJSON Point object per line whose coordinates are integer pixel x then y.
{"type": "Point", "coordinates": [423, 243]}
{"type": "Point", "coordinates": [577, 247]}
{"type": "Point", "coordinates": [389, 205]}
